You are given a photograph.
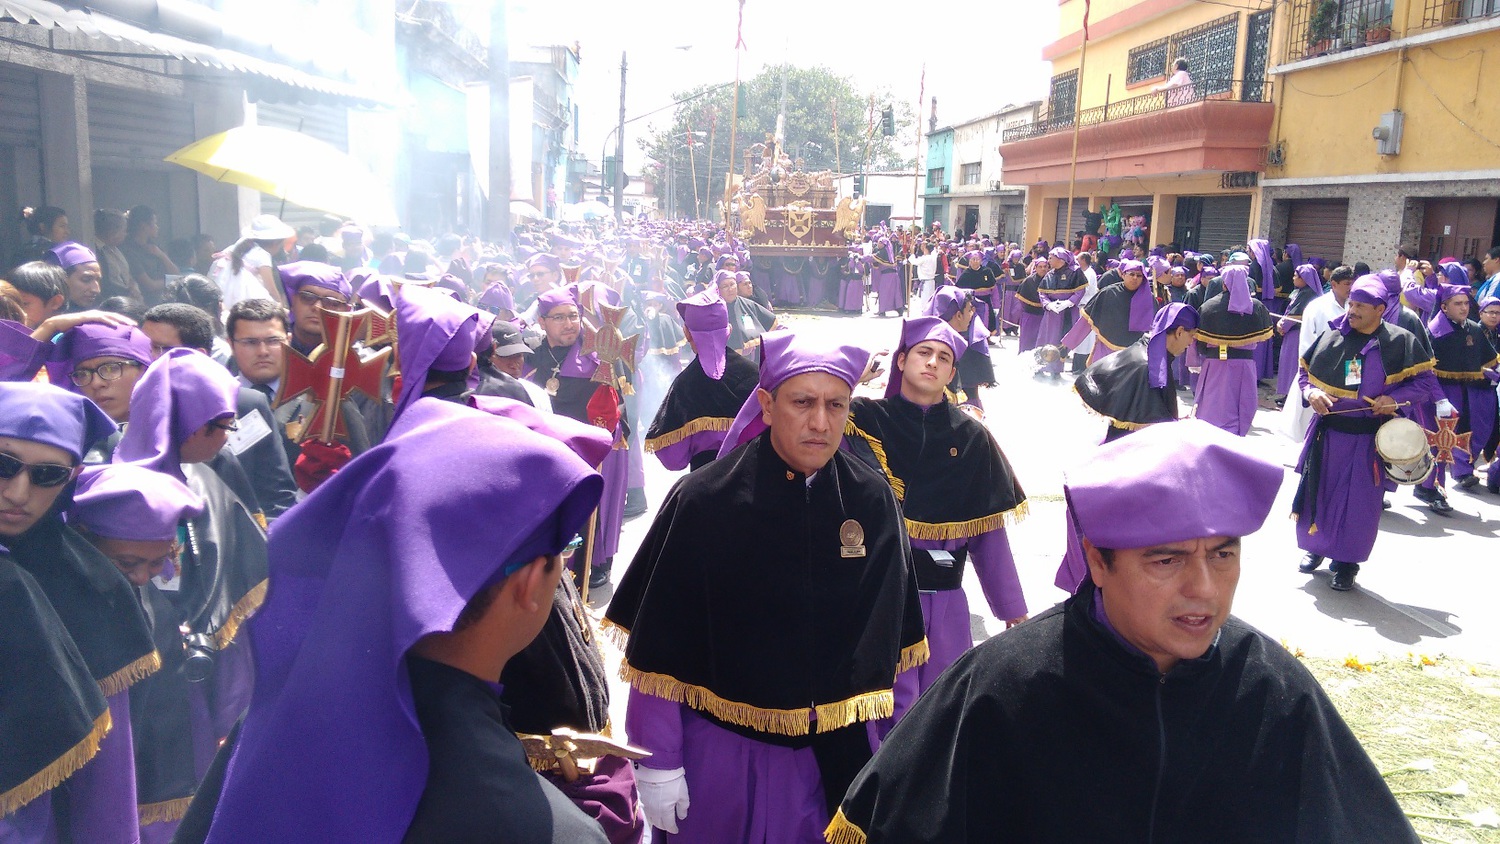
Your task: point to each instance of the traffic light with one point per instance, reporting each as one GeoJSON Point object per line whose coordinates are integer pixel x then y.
{"type": "Point", "coordinates": [888, 121]}
{"type": "Point", "coordinates": [859, 185]}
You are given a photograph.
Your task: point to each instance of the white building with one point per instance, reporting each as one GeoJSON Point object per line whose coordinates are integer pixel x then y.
{"type": "Point", "coordinates": [978, 201]}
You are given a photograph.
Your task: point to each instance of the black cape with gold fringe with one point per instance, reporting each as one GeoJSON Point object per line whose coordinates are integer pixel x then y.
{"type": "Point", "coordinates": [774, 606]}
{"type": "Point", "coordinates": [1119, 389]}
{"type": "Point", "coordinates": [224, 571]}
{"type": "Point", "coordinates": [1218, 326]}
{"type": "Point", "coordinates": [95, 602]}
{"type": "Point", "coordinates": [953, 480]}
{"type": "Point", "coordinates": [1464, 354]}
{"type": "Point", "coordinates": [53, 715]}
{"type": "Point", "coordinates": [696, 402]}
{"type": "Point", "coordinates": [1401, 354]}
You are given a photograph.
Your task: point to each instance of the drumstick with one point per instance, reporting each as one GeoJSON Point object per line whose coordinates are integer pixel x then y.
{"type": "Point", "coordinates": [1361, 409]}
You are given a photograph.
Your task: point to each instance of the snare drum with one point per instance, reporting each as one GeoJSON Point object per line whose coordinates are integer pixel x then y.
{"type": "Point", "coordinates": [1402, 446]}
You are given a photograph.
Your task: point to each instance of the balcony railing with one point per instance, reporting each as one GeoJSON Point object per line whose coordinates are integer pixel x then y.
{"type": "Point", "coordinates": [1319, 27]}
{"type": "Point", "coordinates": [1439, 13]}
{"type": "Point", "coordinates": [1234, 90]}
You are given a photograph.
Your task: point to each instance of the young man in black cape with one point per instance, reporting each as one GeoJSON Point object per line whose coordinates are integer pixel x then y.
{"type": "Point", "coordinates": [1137, 387]}
{"type": "Point", "coordinates": [1139, 709]}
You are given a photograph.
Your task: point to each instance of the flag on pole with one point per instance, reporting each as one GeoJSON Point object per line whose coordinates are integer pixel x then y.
{"type": "Point", "coordinates": [739, 30]}
{"type": "Point", "coordinates": [1085, 16]}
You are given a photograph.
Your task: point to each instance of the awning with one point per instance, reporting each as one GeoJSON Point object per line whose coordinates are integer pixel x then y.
{"type": "Point", "coordinates": [94, 25]}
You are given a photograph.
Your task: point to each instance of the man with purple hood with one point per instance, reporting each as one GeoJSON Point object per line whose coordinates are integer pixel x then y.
{"type": "Point", "coordinates": [311, 286]}
{"type": "Point", "coordinates": [1231, 326]}
{"type": "Point", "coordinates": [1119, 315]}
{"type": "Point", "coordinates": [1141, 695]}
{"type": "Point", "coordinates": [1307, 286]}
{"type": "Point", "coordinates": [1138, 386]}
{"type": "Point", "coordinates": [767, 614]}
{"type": "Point", "coordinates": [703, 399]}
{"type": "Point", "coordinates": [955, 306]}
{"type": "Point", "coordinates": [44, 433]}
{"type": "Point", "coordinates": [885, 278]}
{"type": "Point", "coordinates": [395, 612]}
{"type": "Point", "coordinates": [958, 492]}
{"type": "Point", "coordinates": [1464, 363]}
{"type": "Point", "coordinates": [438, 336]}
{"type": "Point", "coordinates": [1363, 367]}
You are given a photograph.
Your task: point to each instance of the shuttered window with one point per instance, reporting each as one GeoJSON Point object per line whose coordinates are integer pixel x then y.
{"type": "Point", "coordinates": [1318, 226]}
{"type": "Point", "coordinates": [1225, 223]}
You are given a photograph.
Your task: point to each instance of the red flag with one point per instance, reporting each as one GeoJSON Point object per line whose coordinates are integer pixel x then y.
{"type": "Point", "coordinates": [739, 30]}
{"type": "Point", "coordinates": [603, 408]}
{"type": "Point", "coordinates": [1085, 18]}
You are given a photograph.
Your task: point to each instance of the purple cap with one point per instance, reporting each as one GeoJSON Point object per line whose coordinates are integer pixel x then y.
{"type": "Point", "coordinates": [1370, 290]}
{"type": "Point", "coordinates": [1177, 269]}
{"type": "Point", "coordinates": [1207, 271]}
{"type": "Point", "coordinates": [546, 261]}
{"type": "Point", "coordinates": [95, 340]}
{"type": "Point", "coordinates": [1132, 267]}
{"type": "Point", "coordinates": [947, 301]}
{"type": "Point", "coordinates": [707, 317]}
{"type": "Point", "coordinates": [1455, 273]}
{"type": "Point", "coordinates": [552, 298]}
{"type": "Point", "coordinates": [1488, 301]}
{"type": "Point", "coordinates": [1311, 277]}
{"type": "Point", "coordinates": [43, 413]}
{"type": "Point", "coordinates": [497, 296]}
{"type": "Point", "coordinates": [1440, 325]}
{"type": "Point", "coordinates": [354, 592]}
{"type": "Point", "coordinates": [920, 330]}
{"type": "Point", "coordinates": [435, 332]}
{"type": "Point", "coordinates": [298, 274]}
{"type": "Point", "coordinates": [70, 254]}
{"type": "Point", "coordinates": [784, 355]}
{"type": "Point", "coordinates": [181, 391]}
{"type": "Point", "coordinates": [1174, 316]}
{"type": "Point", "coordinates": [1171, 483]}
{"type": "Point", "coordinates": [1453, 291]}
{"type": "Point", "coordinates": [1237, 283]}
{"type": "Point", "coordinates": [454, 286]}
{"type": "Point", "coordinates": [1261, 249]}
{"type": "Point", "coordinates": [125, 501]}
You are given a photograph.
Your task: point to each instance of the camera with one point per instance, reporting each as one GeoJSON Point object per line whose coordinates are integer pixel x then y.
{"type": "Point", "coordinates": [202, 653]}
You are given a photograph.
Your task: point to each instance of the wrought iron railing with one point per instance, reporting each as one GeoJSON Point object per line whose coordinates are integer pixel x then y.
{"type": "Point", "coordinates": [1320, 27]}
{"type": "Point", "coordinates": [1439, 13]}
{"type": "Point", "coordinates": [1234, 90]}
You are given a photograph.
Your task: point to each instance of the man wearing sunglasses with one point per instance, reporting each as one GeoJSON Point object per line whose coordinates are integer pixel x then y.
{"type": "Point", "coordinates": [44, 433]}
{"type": "Point", "coordinates": [310, 286]}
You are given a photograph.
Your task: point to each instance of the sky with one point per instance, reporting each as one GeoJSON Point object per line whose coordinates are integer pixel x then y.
{"type": "Point", "coordinates": [980, 55]}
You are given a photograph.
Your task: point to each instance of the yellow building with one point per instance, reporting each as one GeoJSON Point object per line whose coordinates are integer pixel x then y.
{"type": "Point", "coordinates": [1387, 132]}
{"type": "Point", "coordinates": [1189, 158]}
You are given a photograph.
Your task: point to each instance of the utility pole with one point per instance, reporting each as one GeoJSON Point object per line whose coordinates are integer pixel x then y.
{"type": "Point", "coordinates": [498, 218]}
{"type": "Point", "coordinates": [620, 149]}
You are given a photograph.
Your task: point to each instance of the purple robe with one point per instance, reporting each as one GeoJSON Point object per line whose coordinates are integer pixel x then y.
{"type": "Point", "coordinates": [102, 797]}
{"type": "Point", "coordinates": [852, 293]}
{"type": "Point", "coordinates": [1053, 325]}
{"type": "Point", "coordinates": [1286, 370]}
{"type": "Point", "coordinates": [1480, 399]}
{"type": "Point", "coordinates": [608, 796]}
{"type": "Point", "coordinates": [1031, 328]}
{"type": "Point", "coordinates": [788, 287]}
{"type": "Point", "coordinates": [1226, 394]}
{"type": "Point", "coordinates": [886, 283]}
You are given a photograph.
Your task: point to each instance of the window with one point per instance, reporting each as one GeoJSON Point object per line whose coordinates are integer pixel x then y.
{"type": "Point", "coordinates": [935, 177]}
{"type": "Point", "coordinates": [970, 174]}
{"type": "Point", "coordinates": [1062, 101]}
{"type": "Point", "coordinates": [1146, 62]}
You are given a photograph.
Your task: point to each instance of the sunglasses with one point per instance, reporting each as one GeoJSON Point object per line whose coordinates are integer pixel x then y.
{"type": "Point", "coordinates": [331, 303]}
{"type": "Point", "coordinates": [42, 474]}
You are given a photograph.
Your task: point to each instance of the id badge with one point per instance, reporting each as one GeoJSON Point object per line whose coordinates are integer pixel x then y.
{"type": "Point", "coordinates": [1354, 372]}
{"type": "Point", "coordinates": [747, 322]}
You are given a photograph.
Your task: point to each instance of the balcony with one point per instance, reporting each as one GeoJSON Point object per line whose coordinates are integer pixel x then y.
{"type": "Point", "coordinates": [1217, 125]}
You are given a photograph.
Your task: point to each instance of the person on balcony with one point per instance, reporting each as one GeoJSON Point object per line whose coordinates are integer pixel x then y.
{"type": "Point", "coordinates": [1179, 88]}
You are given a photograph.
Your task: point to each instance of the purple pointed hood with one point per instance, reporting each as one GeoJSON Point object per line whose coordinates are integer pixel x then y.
{"type": "Point", "coordinates": [435, 332]}
{"type": "Point", "coordinates": [785, 355]}
{"type": "Point", "coordinates": [919, 330]}
{"type": "Point", "coordinates": [706, 315]}
{"type": "Point", "coordinates": [182, 391]}
{"type": "Point", "coordinates": [1174, 316]}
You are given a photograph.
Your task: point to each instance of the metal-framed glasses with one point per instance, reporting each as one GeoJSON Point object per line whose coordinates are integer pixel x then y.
{"type": "Point", "coordinates": [111, 371]}
{"type": "Point", "coordinates": [573, 317]}
{"type": "Point", "coordinates": [272, 342]}
{"type": "Point", "coordinates": [329, 303]}
{"type": "Point", "coordinates": [42, 474]}
{"type": "Point", "coordinates": [228, 426]}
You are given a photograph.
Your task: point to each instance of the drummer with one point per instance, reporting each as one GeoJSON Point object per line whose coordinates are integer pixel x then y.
{"type": "Point", "coordinates": [1356, 376]}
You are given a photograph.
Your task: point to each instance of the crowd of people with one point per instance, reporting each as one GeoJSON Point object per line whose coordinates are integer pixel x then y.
{"type": "Point", "coordinates": [299, 536]}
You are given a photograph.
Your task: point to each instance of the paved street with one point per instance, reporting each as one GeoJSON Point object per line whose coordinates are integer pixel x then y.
{"type": "Point", "coordinates": [1427, 589]}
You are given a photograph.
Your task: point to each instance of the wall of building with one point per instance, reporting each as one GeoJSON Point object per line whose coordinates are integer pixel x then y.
{"type": "Point", "coordinates": [1042, 202]}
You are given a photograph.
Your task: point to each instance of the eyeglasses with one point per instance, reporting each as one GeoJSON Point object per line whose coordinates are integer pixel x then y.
{"type": "Point", "coordinates": [132, 563]}
{"type": "Point", "coordinates": [332, 303]}
{"type": "Point", "coordinates": [42, 474]}
{"type": "Point", "coordinates": [106, 371]}
{"type": "Point", "coordinates": [228, 427]}
{"type": "Point", "coordinates": [563, 317]}
{"type": "Point", "coordinates": [540, 274]}
{"type": "Point", "coordinates": [272, 342]}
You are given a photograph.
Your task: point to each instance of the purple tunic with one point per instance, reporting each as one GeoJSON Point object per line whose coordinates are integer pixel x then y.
{"type": "Point", "coordinates": [1031, 327]}
{"type": "Point", "coordinates": [1054, 324]}
{"type": "Point", "coordinates": [741, 790]}
{"type": "Point", "coordinates": [1226, 394]}
{"type": "Point", "coordinates": [102, 797]}
{"type": "Point", "coordinates": [852, 294]}
{"type": "Point", "coordinates": [886, 282]}
{"type": "Point", "coordinates": [608, 796]}
{"type": "Point", "coordinates": [1286, 369]}
{"type": "Point", "coordinates": [788, 286]}
{"type": "Point", "coordinates": [1480, 400]}
{"type": "Point", "coordinates": [30, 824]}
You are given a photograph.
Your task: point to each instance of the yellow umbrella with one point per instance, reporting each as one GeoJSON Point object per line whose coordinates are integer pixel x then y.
{"type": "Point", "coordinates": [293, 167]}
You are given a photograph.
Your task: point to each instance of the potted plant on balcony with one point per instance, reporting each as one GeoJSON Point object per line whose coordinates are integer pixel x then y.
{"type": "Point", "coordinates": [1377, 29]}
{"type": "Point", "coordinates": [1320, 27]}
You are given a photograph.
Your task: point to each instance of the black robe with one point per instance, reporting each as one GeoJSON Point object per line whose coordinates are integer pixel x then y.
{"type": "Point", "coordinates": [1223, 333]}
{"type": "Point", "coordinates": [1463, 355]}
{"type": "Point", "coordinates": [696, 402]}
{"type": "Point", "coordinates": [1055, 732]}
{"type": "Point", "coordinates": [480, 788]}
{"type": "Point", "coordinates": [980, 279]}
{"type": "Point", "coordinates": [1109, 315]}
{"type": "Point", "coordinates": [1027, 295]}
{"type": "Point", "coordinates": [1119, 389]}
{"type": "Point", "coordinates": [775, 598]}
{"type": "Point", "coordinates": [747, 321]}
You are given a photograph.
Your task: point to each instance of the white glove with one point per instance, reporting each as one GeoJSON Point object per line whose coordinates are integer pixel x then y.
{"type": "Point", "coordinates": [664, 796]}
{"type": "Point", "coordinates": [1064, 304]}
{"type": "Point", "coordinates": [1445, 408]}
{"type": "Point", "coordinates": [1055, 307]}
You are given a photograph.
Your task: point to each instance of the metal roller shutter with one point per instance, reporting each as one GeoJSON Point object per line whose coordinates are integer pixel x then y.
{"type": "Point", "coordinates": [329, 124]}
{"type": "Point", "coordinates": [1225, 223]}
{"type": "Point", "coordinates": [20, 108]}
{"type": "Point", "coordinates": [135, 130]}
{"type": "Point", "coordinates": [20, 152]}
{"type": "Point", "coordinates": [1318, 226]}
{"type": "Point", "coordinates": [1063, 234]}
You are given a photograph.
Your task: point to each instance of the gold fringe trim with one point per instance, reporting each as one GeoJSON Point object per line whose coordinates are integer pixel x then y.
{"type": "Point", "coordinates": [1098, 335]}
{"type": "Point", "coordinates": [697, 426]}
{"type": "Point", "coordinates": [60, 768]}
{"type": "Point", "coordinates": [260, 519]}
{"type": "Point", "coordinates": [1336, 392]}
{"type": "Point", "coordinates": [127, 676]}
{"type": "Point", "coordinates": [842, 831]}
{"type": "Point", "coordinates": [973, 527]}
{"type": "Point", "coordinates": [898, 486]}
{"type": "Point", "coordinates": [668, 350]}
{"type": "Point", "coordinates": [1118, 423]}
{"type": "Point", "coordinates": [165, 811]}
{"type": "Point", "coordinates": [1233, 342]}
{"type": "Point", "coordinates": [1457, 376]}
{"type": "Point", "coordinates": [786, 722]}
{"type": "Point", "coordinates": [614, 632]}
{"type": "Point", "coordinates": [241, 612]}
{"type": "Point", "coordinates": [1410, 371]}
{"type": "Point", "coordinates": [913, 656]}
{"type": "Point", "coordinates": [1023, 300]}
{"type": "Point", "coordinates": [866, 707]}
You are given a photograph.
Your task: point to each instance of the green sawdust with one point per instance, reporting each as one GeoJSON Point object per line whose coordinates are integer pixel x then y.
{"type": "Point", "coordinates": [1407, 711]}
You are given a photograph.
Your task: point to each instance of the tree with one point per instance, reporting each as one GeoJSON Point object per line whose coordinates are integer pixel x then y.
{"type": "Point", "coordinates": [812, 96]}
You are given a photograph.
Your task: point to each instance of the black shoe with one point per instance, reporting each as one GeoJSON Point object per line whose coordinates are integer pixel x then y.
{"type": "Point", "coordinates": [1467, 481]}
{"type": "Point", "coordinates": [1343, 576]}
{"type": "Point", "coordinates": [635, 502]}
{"type": "Point", "coordinates": [599, 575]}
{"type": "Point", "coordinates": [1385, 504]}
{"type": "Point", "coordinates": [1437, 503]}
{"type": "Point", "coordinates": [1310, 563]}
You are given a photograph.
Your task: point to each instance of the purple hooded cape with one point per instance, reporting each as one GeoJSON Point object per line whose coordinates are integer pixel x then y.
{"type": "Point", "coordinates": [436, 332]}
{"type": "Point", "coordinates": [182, 391]}
{"type": "Point", "coordinates": [382, 554]}
{"type": "Point", "coordinates": [706, 315]}
{"type": "Point", "coordinates": [786, 355]}
{"type": "Point", "coordinates": [1172, 317]}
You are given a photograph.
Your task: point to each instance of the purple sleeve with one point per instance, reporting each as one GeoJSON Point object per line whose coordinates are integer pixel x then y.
{"type": "Point", "coordinates": [1078, 296]}
{"type": "Point", "coordinates": [676, 456]}
{"type": "Point", "coordinates": [995, 567]}
{"type": "Point", "coordinates": [1422, 387]}
{"type": "Point", "coordinates": [1077, 333]}
{"type": "Point", "coordinates": [21, 355]}
{"type": "Point", "coordinates": [1302, 383]}
{"type": "Point", "coordinates": [1420, 298]}
{"type": "Point", "coordinates": [655, 724]}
